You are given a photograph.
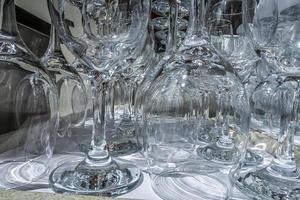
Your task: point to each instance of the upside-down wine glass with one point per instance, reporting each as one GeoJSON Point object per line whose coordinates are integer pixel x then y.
{"type": "Point", "coordinates": [101, 34]}
{"type": "Point", "coordinates": [29, 108]}
{"type": "Point", "coordinates": [195, 117]}
{"type": "Point", "coordinates": [70, 86]}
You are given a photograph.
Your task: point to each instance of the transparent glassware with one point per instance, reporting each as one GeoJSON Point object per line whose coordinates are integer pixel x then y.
{"type": "Point", "coordinates": [277, 177]}
{"type": "Point", "coordinates": [224, 22]}
{"type": "Point", "coordinates": [161, 8]}
{"type": "Point", "coordinates": [29, 108]}
{"type": "Point", "coordinates": [162, 37]}
{"type": "Point", "coordinates": [287, 36]}
{"type": "Point", "coordinates": [196, 116]}
{"type": "Point", "coordinates": [260, 24]}
{"type": "Point", "coordinates": [161, 23]}
{"type": "Point", "coordinates": [103, 34]}
{"type": "Point", "coordinates": [128, 73]}
{"type": "Point", "coordinates": [71, 89]}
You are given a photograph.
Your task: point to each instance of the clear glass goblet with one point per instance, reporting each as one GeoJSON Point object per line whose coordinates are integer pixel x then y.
{"type": "Point", "coordinates": [195, 117]}
{"type": "Point", "coordinates": [103, 34]}
{"type": "Point", "coordinates": [278, 176]}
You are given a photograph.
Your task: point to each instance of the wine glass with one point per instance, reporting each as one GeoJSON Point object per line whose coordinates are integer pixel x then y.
{"type": "Point", "coordinates": [278, 176]}
{"type": "Point", "coordinates": [104, 33]}
{"type": "Point", "coordinates": [274, 107]}
{"type": "Point", "coordinates": [72, 92]}
{"type": "Point", "coordinates": [29, 108]}
{"type": "Point", "coordinates": [195, 114]}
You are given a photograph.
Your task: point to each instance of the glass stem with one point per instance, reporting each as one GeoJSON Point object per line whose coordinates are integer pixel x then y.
{"type": "Point", "coordinates": [54, 43]}
{"type": "Point", "coordinates": [10, 40]}
{"type": "Point", "coordinates": [196, 31]}
{"type": "Point", "coordinates": [173, 15]}
{"type": "Point", "coordinates": [98, 154]}
{"type": "Point", "coordinates": [8, 19]}
{"type": "Point", "coordinates": [284, 162]}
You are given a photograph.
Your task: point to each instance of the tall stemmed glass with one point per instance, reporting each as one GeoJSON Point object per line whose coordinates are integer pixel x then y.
{"type": "Point", "coordinates": [70, 86]}
{"type": "Point", "coordinates": [278, 176]}
{"type": "Point", "coordinates": [29, 108]}
{"type": "Point", "coordinates": [127, 76]}
{"type": "Point", "coordinates": [196, 99]}
{"type": "Point", "coordinates": [103, 30]}
{"type": "Point", "coordinates": [274, 106]}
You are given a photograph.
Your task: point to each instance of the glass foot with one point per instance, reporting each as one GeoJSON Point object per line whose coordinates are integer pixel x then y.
{"type": "Point", "coordinates": [206, 133]}
{"type": "Point", "coordinates": [253, 158]}
{"type": "Point", "coordinates": [119, 147]}
{"type": "Point", "coordinates": [111, 180]}
{"type": "Point", "coordinates": [123, 140]}
{"type": "Point", "coordinates": [184, 186]}
{"type": "Point", "coordinates": [267, 184]}
{"type": "Point", "coordinates": [219, 154]}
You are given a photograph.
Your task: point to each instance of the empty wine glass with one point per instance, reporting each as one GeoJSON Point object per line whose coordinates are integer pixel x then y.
{"type": "Point", "coordinates": [195, 115]}
{"type": "Point", "coordinates": [104, 33]}
{"type": "Point", "coordinates": [278, 176]}
{"type": "Point", "coordinates": [29, 108]}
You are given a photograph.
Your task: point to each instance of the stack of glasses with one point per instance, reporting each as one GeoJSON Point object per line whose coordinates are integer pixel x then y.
{"type": "Point", "coordinates": [213, 117]}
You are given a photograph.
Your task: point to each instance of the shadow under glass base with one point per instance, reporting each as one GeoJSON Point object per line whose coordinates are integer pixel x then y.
{"type": "Point", "coordinates": [111, 180]}
{"type": "Point", "coordinates": [184, 186]}
{"type": "Point", "coordinates": [268, 185]}
{"type": "Point", "coordinates": [18, 174]}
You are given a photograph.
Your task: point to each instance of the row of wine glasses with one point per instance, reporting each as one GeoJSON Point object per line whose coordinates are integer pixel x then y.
{"type": "Point", "coordinates": [214, 117]}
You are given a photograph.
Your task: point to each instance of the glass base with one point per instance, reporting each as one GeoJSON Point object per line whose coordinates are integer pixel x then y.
{"type": "Point", "coordinates": [228, 156]}
{"type": "Point", "coordinates": [253, 158]}
{"type": "Point", "coordinates": [219, 154]}
{"type": "Point", "coordinates": [267, 184]}
{"type": "Point", "coordinates": [206, 134]}
{"type": "Point", "coordinates": [121, 147]}
{"type": "Point", "coordinates": [183, 186]}
{"type": "Point", "coordinates": [110, 180]}
{"type": "Point", "coordinates": [123, 139]}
